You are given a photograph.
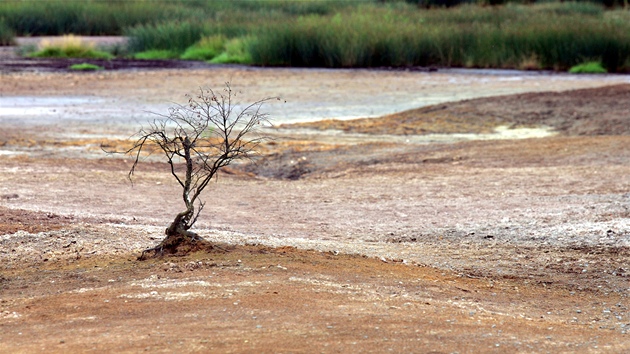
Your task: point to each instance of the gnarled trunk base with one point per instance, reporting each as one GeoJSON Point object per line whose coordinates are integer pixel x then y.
{"type": "Point", "coordinates": [178, 242]}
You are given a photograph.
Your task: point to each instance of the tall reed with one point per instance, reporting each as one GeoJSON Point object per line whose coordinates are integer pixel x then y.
{"type": "Point", "coordinates": [111, 17]}
{"type": "Point", "coordinates": [555, 36]}
{"type": "Point", "coordinates": [7, 35]}
{"type": "Point", "coordinates": [96, 17]}
{"type": "Point", "coordinates": [175, 36]}
{"type": "Point", "coordinates": [336, 33]}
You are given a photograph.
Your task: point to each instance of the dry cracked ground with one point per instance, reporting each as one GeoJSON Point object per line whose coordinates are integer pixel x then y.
{"type": "Point", "coordinates": [482, 213]}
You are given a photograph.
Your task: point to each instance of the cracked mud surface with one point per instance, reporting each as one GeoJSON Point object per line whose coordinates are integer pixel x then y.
{"type": "Point", "coordinates": [345, 240]}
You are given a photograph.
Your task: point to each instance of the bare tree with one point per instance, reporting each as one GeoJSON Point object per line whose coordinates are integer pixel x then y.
{"type": "Point", "coordinates": [198, 139]}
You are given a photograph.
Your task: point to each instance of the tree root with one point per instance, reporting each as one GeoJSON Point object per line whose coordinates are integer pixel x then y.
{"type": "Point", "coordinates": [179, 245]}
{"type": "Point", "coordinates": [157, 249]}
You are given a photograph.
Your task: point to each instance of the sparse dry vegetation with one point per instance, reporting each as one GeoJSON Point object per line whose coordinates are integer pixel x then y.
{"type": "Point", "coordinates": [198, 139]}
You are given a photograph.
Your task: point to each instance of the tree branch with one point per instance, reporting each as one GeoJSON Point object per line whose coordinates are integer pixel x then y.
{"type": "Point", "coordinates": [207, 135]}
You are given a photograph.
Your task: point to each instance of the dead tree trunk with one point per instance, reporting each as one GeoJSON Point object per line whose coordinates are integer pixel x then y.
{"type": "Point", "coordinates": [178, 233]}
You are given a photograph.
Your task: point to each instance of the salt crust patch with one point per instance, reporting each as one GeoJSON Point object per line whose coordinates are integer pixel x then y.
{"type": "Point", "coordinates": [9, 315]}
{"type": "Point", "coordinates": [500, 133]}
{"type": "Point", "coordinates": [324, 283]}
{"type": "Point", "coordinates": [167, 296]}
{"type": "Point", "coordinates": [153, 282]}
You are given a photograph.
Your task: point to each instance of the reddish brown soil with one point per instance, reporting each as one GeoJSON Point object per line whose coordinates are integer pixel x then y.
{"type": "Point", "coordinates": [259, 299]}
{"type": "Point", "coordinates": [502, 246]}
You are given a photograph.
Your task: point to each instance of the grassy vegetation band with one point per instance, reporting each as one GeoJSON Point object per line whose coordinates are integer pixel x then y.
{"type": "Point", "coordinates": [366, 33]}
{"type": "Point", "coordinates": [541, 37]}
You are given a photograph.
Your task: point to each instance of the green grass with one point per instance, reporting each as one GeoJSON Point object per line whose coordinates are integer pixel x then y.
{"type": "Point", "coordinates": [57, 52]}
{"type": "Point", "coordinates": [156, 54]}
{"type": "Point", "coordinates": [85, 67]}
{"type": "Point", "coordinates": [236, 52]}
{"type": "Point", "coordinates": [200, 54]}
{"type": "Point", "coordinates": [593, 67]}
{"type": "Point", "coordinates": [206, 49]}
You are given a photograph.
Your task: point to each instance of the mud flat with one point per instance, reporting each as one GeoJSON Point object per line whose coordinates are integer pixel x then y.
{"type": "Point", "coordinates": [435, 241]}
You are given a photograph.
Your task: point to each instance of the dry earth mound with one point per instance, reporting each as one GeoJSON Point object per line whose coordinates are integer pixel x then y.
{"type": "Point", "coordinates": [599, 111]}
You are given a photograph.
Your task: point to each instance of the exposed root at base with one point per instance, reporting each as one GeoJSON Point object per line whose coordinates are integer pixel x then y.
{"type": "Point", "coordinates": [179, 245]}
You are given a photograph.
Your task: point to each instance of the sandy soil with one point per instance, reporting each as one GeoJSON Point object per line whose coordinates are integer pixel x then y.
{"type": "Point", "coordinates": [366, 238]}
